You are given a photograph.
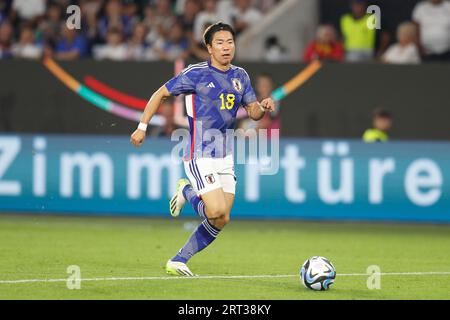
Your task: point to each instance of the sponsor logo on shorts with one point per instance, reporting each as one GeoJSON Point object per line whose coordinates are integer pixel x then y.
{"type": "Point", "coordinates": [210, 178]}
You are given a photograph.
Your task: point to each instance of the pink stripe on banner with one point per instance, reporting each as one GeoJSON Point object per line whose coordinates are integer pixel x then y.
{"type": "Point", "coordinates": [133, 115]}
{"type": "Point", "coordinates": [124, 112]}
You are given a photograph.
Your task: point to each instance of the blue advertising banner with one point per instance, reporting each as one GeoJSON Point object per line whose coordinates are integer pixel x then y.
{"type": "Point", "coordinates": [315, 179]}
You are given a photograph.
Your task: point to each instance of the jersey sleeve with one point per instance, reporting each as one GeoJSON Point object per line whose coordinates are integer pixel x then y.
{"type": "Point", "coordinates": [249, 95]}
{"type": "Point", "coordinates": [183, 83]}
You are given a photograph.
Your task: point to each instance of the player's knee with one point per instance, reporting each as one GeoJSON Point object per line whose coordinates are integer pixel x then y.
{"type": "Point", "coordinates": [221, 222]}
{"type": "Point", "coordinates": [217, 211]}
{"type": "Point", "coordinates": [226, 219]}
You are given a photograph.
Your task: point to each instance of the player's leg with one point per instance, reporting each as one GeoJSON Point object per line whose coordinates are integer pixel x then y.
{"type": "Point", "coordinates": [216, 210]}
{"type": "Point", "coordinates": [225, 171]}
{"type": "Point", "coordinates": [217, 191]}
{"type": "Point", "coordinates": [229, 199]}
{"type": "Point", "coordinates": [217, 203]}
{"type": "Point", "coordinates": [204, 191]}
{"type": "Point", "coordinates": [215, 182]}
{"type": "Point", "coordinates": [228, 182]}
{"type": "Point", "coordinates": [202, 179]}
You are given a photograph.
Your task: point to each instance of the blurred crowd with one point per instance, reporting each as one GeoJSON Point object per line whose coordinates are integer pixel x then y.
{"type": "Point", "coordinates": [426, 37]}
{"type": "Point", "coordinates": [119, 29]}
{"type": "Point", "coordinates": [170, 29]}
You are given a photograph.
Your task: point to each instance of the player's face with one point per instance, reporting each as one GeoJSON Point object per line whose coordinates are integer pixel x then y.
{"type": "Point", "coordinates": [222, 48]}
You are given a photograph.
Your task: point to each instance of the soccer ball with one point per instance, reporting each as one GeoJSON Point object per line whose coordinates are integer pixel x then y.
{"type": "Point", "coordinates": [317, 273]}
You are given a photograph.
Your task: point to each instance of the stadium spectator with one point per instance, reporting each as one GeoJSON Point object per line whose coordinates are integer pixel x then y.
{"type": "Point", "coordinates": [175, 46]}
{"type": "Point", "coordinates": [26, 48]}
{"type": "Point", "coordinates": [264, 5]}
{"type": "Point", "coordinates": [66, 3]}
{"type": "Point", "coordinates": [226, 6]}
{"type": "Point", "coordinates": [274, 52]}
{"type": "Point", "coordinates": [359, 40]}
{"type": "Point", "coordinates": [49, 28]}
{"type": "Point", "coordinates": [6, 39]}
{"type": "Point", "coordinates": [138, 48]}
{"type": "Point", "coordinates": [209, 15]}
{"type": "Point", "coordinates": [433, 19]}
{"type": "Point", "coordinates": [187, 18]}
{"type": "Point", "coordinates": [325, 46]}
{"type": "Point", "coordinates": [89, 21]}
{"type": "Point", "coordinates": [163, 18]}
{"type": "Point", "coordinates": [114, 19]}
{"type": "Point", "coordinates": [131, 10]}
{"type": "Point", "coordinates": [243, 15]}
{"type": "Point", "coordinates": [180, 6]}
{"type": "Point", "coordinates": [90, 7]}
{"type": "Point", "coordinates": [71, 46]}
{"type": "Point", "coordinates": [136, 45]}
{"type": "Point", "coordinates": [149, 22]}
{"type": "Point", "coordinates": [405, 51]}
{"type": "Point", "coordinates": [382, 123]}
{"type": "Point", "coordinates": [27, 10]}
{"type": "Point", "coordinates": [5, 7]}
{"type": "Point", "coordinates": [114, 49]}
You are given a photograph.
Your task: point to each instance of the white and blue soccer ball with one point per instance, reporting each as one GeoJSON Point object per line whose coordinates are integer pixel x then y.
{"type": "Point", "coordinates": [317, 273]}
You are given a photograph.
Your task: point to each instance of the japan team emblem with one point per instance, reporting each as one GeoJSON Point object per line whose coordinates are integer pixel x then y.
{"type": "Point", "coordinates": [210, 178]}
{"type": "Point", "coordinates": [237, 84]}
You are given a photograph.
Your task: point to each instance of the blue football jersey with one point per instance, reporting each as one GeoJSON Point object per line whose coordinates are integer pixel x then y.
{"type": "Point", "coordinates": [213, 98]}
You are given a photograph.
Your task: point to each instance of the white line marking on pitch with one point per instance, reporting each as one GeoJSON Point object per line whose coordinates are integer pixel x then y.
{"type": "Point", "coordinates": [223, 277]}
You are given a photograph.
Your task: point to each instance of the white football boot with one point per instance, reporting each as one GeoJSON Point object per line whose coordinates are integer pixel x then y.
{"type": "Point", "coordinates": [177, 202]}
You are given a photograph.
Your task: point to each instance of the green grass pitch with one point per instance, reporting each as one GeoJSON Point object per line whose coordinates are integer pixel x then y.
{"type": "Point", "coordinates": [42, 247]}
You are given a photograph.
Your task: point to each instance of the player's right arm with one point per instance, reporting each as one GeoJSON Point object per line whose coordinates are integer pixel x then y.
{"type": "Point", "coordinates": [183, 83]}
{"type": "Point", "coordinates": [138, 136]}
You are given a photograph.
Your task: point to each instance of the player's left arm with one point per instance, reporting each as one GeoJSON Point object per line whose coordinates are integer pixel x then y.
{"type": "Point", "coordinates": [256, 110]}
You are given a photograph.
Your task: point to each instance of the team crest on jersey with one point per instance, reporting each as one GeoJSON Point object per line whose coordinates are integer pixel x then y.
{"type": "Point", "coordinates": [237, 84]}
{"type": "Point", "coordinates": [210, 178]}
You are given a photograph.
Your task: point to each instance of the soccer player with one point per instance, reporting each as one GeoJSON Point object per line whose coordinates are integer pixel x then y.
{"type": "Point", "coordinates": [214, 90]}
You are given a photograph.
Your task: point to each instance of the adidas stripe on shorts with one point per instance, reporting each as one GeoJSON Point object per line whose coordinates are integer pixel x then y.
{"type": "Point", "coordinates": [207, 174]}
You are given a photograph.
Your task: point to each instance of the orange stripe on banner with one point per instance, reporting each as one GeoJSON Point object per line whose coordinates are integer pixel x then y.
{"type": "Point", "coordinates": [62, 75]}
{"type": "Point", "coordinates": [302, 77]}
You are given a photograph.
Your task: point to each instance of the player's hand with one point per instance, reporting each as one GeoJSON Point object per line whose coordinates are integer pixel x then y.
{"type": "Point", "coordinates": [268, 104]}
{"type": "Point", "coordinates": [137, 138]}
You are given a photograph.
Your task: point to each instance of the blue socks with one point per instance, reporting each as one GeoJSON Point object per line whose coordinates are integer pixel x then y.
{"type": "Point", "coordinates": [203, 235]}
{"type": "Point", "coordinates": [196, 202]}
{"type": "Point", "coordinates": [199, 240]}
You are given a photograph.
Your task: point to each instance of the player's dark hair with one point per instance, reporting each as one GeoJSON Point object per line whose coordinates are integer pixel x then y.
{"type": "Point", "coordinates": [382, 113]}
{"type": "Point", "coordinates": [208, 35]}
